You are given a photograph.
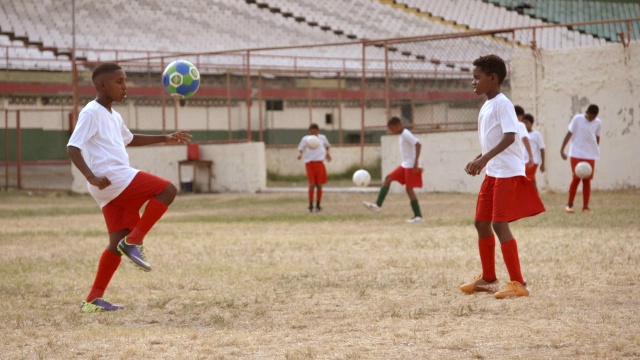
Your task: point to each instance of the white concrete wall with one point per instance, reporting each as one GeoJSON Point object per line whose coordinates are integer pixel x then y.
{"type": "Point", "coordinates": [236, 167]}
{"type": "Point", "coordinates": [561, 83]}
{"type": "Point", "coordinates": [444, 156]}
{"type": "Point", "coordinates": [284, 160]}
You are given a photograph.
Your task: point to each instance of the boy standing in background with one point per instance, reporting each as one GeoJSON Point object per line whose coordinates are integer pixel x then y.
{"type": "Point", "coordinates": [537, 149]}
{"type": "Point", "coordinates": [314, 164]}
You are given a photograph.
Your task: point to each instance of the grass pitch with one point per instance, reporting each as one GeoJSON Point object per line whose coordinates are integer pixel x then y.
{"type": "Point", "coordinates": [256, 277]}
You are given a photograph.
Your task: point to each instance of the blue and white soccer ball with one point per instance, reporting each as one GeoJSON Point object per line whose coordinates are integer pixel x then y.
{"type": "Point", "coordinates": [181, 79]}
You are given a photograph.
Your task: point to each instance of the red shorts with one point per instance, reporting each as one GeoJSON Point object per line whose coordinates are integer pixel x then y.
{"type": "Point", "coordinates": [407, 177]}
{"type": "Point", "coordinates": [530, 171]}
{"type": "Point", "coordinates": [507, 199]}
{"type": "Point", "coordinates": [575, 161]}
{"type": "Point", "coordinates": [123, 212]}
{"type": "Point", "coordinates": [316, 172]}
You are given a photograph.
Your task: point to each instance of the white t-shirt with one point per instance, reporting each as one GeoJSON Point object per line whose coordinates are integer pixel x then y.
{"type": "Point", "coordinates": [583, 143]}
{"type": "Point", "coordinates": [497, 117]}
{"type": "Point", "coordinates": [408, 149]}
{"type": "Point", "coordinates": [522, 131]}
{"type": "Point", "coordinates": [536, 142]}
{"type": "Point", "coordinates": [101, 137]}
{"type": "Point", "coordinates": [317, 154]}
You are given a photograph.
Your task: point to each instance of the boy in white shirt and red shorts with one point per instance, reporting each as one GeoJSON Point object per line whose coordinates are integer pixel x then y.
{"type": "Point", "coordinates": [97, 149]}
{"type": "Point", "coordinates": [584, 134]}
{"type": "Point", "coordinates": [506, 194]}
{"type": "Point", "coordinates": [537, 149]}
{"type": "Point", "coordinates": [409, 173]}
{"type": "Point", "coordinates": [314, 164]}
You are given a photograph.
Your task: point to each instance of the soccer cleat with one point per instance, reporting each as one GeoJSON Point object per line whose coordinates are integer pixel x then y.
{"type": "Point", "coordinates": [135, 253]}
{"type": "Point", "coordinates": [318, 209]}
{"type": "Point", "coordinates": [586, 211]}
{"type": "Point", "coordinates": [371, 206]}
{"type": "Point", "coordinates": [569, 209]}
{"type": "Point", "coordinates": [512, 288]}
{"type": "Point", "coordinates": [416, 219]}
{"type": "Point", "coordinates": [480, 284]}
{"type": "Point", "coordinates": [310, 208]}
{"type": "Point", "coordinates": [99, 305]}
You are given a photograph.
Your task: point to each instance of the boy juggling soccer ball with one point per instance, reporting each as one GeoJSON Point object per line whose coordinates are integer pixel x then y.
{"type": "Point", "coordinates": [97, 149]}
{"type": "Point", "coordinates": [584, 133]}
{"type": "Point", "coordinates": [314, 156]}
{"type": "Point", "coordinates": [506, 194]}
{"type": "Point", "coordinates": [409, 173]}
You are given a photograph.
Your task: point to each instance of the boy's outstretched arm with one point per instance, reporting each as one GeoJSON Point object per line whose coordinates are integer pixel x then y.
{"type": "Point", "coordinates": [75, 155]}
{"type": "Point", "coordinates": [474, 167]}
{"type": "Point", "coordinates": [178, 137]}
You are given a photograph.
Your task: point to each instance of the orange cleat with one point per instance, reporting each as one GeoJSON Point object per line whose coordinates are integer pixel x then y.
{"type": "Point", "coordinates": [512, 288]}
{"type": "Point", "coordinates": [480, 284]}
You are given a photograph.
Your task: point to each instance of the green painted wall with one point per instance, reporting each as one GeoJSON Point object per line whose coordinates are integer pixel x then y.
{"type": "Point", "coordinates": [39, 144]}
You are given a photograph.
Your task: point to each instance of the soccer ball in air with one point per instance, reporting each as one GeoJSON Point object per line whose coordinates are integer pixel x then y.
{"type": "Point", "coordinates": [361, 178]}
{"type": "Point", "coordinates": [181, 79]}
{"type": "Point", "coordinates": [313, 142]}
{"type": "Point", "coordinates": [583, 170]}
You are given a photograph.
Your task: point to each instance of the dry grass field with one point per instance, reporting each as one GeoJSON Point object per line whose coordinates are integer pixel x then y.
{"type": "Point", "coordinates": [241, 276]}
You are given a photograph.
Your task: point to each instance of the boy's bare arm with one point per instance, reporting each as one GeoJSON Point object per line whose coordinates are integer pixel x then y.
{"type": "Point", "coordinates": [477, 165]}
{"type": "Point", "coordinates": [416, 161]}
{"type": "Point", "coordinates": [75, 155]}
{"type": "Point", "coordinates": [564, 143]}
{"type": "Point", "coordinates": [527, 146]}
{"type": "Point", "coordinates": [179, 137]}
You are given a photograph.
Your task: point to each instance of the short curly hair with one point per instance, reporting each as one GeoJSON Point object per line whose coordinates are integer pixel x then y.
{"type": "Point", "coordinates": [492, 64]}
{"type": "Point", "coordinates": [104, 68]}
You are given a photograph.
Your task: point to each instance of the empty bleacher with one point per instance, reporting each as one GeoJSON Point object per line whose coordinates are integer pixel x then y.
{"type": "Point", "coordinates": [572, 11]}
{"type": "Point", "coordinates": [38, 34]}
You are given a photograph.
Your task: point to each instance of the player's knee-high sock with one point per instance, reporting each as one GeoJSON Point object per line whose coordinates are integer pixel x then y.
{"type": "Point", "coordinates": [487, 248]}
{"type": "Point", "coordinates": [382, 194]}
{"type": "Point", "coordinates": [318, 196]}
{"type": "Point", "coordinates": [152, 213]}
{"type": "Point", "coordinates": [512, 260]}
{"type": "Point", "coordinates": [106, 268]}
{"type": "Point", "coordinates": [586, 193]}
{"type": "Point", "coordinates": [311, 195]}
{"type": "Point", "coordinates": [416, 208]}
{"type": "Point", "coordinates": [573, 189]}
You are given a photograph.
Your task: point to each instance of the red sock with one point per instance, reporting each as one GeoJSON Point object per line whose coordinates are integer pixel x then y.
{"type": "Point", "coordinates": [573, 189]}
{"type": "Point", "coordinates": [487, 247]}
{"type": "Point", "coordinates": [152, 213]}
{"type": "Point", "coordinates": [319, 195]}
{"type": "Point", "coordinates": [512, 260]}
{"type": "Point", "coordinates": [310, 195]}
{"type": "Point", "coordinates": [586, 193]}
{"type": "Point", "coordinates": [106, 268]}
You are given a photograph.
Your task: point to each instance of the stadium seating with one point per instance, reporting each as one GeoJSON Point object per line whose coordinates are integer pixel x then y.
{"type": "Point", "coordinates": [571, 11]}
{"type": "Point", "coordinates": [480, 15]}
{"type": "Point", "coordinates": [37, 34]}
